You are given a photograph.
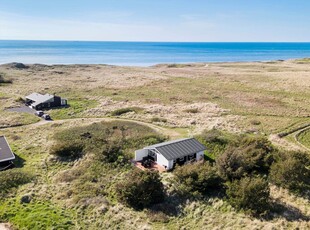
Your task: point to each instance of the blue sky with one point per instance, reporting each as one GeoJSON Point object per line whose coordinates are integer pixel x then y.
{"type": "Point", "coordinates": [156, 20]}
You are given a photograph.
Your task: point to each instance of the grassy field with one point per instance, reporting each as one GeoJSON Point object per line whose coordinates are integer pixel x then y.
{"type": "Point", "coordinates": [304, 138]}
{"type": "Point", "coordinates": [74, 178]}
{"type": "Point", "coordinates": [226, 95]}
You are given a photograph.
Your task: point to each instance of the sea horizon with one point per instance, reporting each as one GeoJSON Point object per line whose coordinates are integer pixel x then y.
{"type": "Point", "coordinates": [137, 53]}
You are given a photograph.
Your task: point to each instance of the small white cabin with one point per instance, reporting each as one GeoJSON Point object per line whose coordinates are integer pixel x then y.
{"type": "Point", "coordinates": [168, 154]}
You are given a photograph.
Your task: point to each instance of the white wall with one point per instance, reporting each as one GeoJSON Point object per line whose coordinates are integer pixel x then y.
{"type": "Point", "coordinates": [161, 160]}
{"type": "Point", "coordinates": [200, 156]}
{"type": "Point", "coordinates": [139, 154]}
{"type": "Point", "coordinates": [170, 164]}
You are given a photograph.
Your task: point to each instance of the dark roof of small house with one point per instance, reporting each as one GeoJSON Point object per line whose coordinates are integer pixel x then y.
{"type": "Point", "coordinates": [39, 98]}
{"type": "Point", "coordinates": [172, 150]}
{"type": "Point", "coordinates": [6, 153]}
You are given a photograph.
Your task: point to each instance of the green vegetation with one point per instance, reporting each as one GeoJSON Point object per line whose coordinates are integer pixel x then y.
{"type": "Point", "coordinates": [216, 142]}
{"type": "Point", "coordinates": [75, 109]}
{"type": "Point", "coordinates": [303, 61]}
{"type": "Point", "coordinates": [4, 81]}
{"type": "Point", "coordinates": [292, 171]}
{"type": "Point", "coordinates": [35, 215]}
{"type": "Point", "coordinates": [247, 156]}
{"type": "Point", "coordinates": [159, 119]}
{"type": "Point", "coordinates": [105, 149]}
{"type": "Point", "coordinates": [108, 141]}
{"type": "Point", "coordinates": [13, 119]}
{"type": "Point", "coordinates": [197, 179]}
{"type": "Point", "coordinates": [242, 99]}
{"type": "Point", "coordinates": [122, 111]}
{"type": "Point", "coordinates": [140, 189]}
{"type": "Point", "coordinates": [304, 138]}
{"type": "Point", "coordinates": [249, 194]}
{"type": "Point", "coordinates": [191, 110]}
{"type": "Point", "coordinates": [20, 100]}
{"type": "Point", "coordinates": [86, 181]}
{"type": "Point", "coordinates": [13, 178]}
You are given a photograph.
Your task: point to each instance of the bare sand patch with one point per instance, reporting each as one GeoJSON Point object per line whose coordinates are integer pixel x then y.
{"type": "Point", "coordinates": [5, 226]}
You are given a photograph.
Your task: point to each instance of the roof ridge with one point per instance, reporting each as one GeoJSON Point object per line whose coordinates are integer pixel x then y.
{"type": "Point", "coordinates": [176, 141]}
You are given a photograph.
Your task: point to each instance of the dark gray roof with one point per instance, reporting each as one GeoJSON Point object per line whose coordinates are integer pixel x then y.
{"type": "Point", "coordinates": [6, 153]}
{"type": "Point", "coordinates": [172, 150]}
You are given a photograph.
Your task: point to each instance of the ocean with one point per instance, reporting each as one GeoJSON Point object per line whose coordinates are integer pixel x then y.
{"type": "Point", "coordinates": [145, 53]}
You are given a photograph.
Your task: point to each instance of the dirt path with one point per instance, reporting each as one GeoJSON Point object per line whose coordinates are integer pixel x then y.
{"type": "Point", "coordinates": [296, 138]}
{"type": "Point", "coordinates": [165, 131]}
{"type": "Point", "coordinates": [281, 141]}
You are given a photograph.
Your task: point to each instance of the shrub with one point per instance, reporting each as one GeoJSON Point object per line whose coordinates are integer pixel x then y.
{"type": "Point", "coordinates": [216, 142]}
{"type": "Point", "coordinates": [121, 111]}
{"type": "Point", "coordinates": [20, 100]}
{"type": "Point", "coordinates": [158, 119]}
{"type": "Point", "coordinates": [197, 178]}
{"type": "Point", "coordinates": [110, 152]}
{"type": "Point", "coordinates": [291, 171]}
{"type": "Point", "coordinates": [140, 189]}
{"type": "Point", "coordinates": [191, 110]}
{"type": "Point", "coordinates": [249, 194]}
{"type": "Point", "coordinates": [249, 155]}
{"type": "Point", "coordinates": [107, 141]}
{"type": "Point", "coordinates": [12, 179]}
{"type": "Point", "coordinates": [4, 81]}
{"type": "Point", "coordinates": [67, 150]}
{"type": "Point", "coordinates": [255, 122]}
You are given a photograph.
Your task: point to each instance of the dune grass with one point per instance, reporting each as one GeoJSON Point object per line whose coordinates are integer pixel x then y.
{"type": "Point", "coordinates": [304, 138]}
{"type": "Point", "coordinates": [75, 109]}
{"type": "Point", "coordinates": [35, 215]}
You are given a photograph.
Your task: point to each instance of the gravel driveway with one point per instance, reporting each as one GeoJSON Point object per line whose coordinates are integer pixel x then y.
{"type": "Point", "coordinates": [22, 109]}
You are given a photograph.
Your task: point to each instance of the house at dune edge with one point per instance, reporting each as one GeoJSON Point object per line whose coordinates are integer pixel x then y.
{"type": "Point", "coordinates": [167, 154]}
{"type": "Point", "coordinates": [38, 101]}
{"type": "Point", "coordinates": [6, 154]}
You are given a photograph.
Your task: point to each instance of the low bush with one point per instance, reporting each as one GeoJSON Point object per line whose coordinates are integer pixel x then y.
{"type": "Point", "coordinates": [191, 110]}
{"type": "Point", "coordinates": [291, 170]}
{"type": "Point", "coordinates": [5, 81]}
{"type": "Point", "coordinates": [122, 111]}
{"type": "Point", "coordinates": [107, 141]}
{"type": "Point", "coordinates": [140, 189]}
{"type": "Point", "coordinates": [197, 178]}
{"type": "Point", "coordinates": [248, 155]}
{"type": "Point", "coordinates": [68, 151]}
{"type": "Point", "coordinates": [20, 100]}
{"type": "Point", "coordinates": [216, 142]}
{"type": "Point", "coordinates": [159, 119]}
{"type": "Point", "coordinates": [249, 194]}
{"type": "Point", "coordinates": [12, 179]}
{"type": "Point", "coordinates": [255, 122]}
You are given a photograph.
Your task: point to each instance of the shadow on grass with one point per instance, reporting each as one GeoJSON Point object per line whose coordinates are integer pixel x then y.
{"type": "Point", "coordinates": [174, 204]}
{"type": "Point", "coordinates": [19, 161]}
{"type": "Point", "coordinates": [57, 108]}
{"type": "Point", "coordinates": [286, 211]}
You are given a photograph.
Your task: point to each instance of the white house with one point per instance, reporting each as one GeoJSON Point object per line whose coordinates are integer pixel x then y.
{"type": "Point", "coordinates": [169, 153]}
